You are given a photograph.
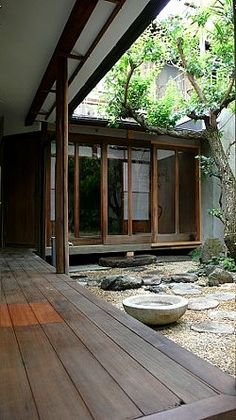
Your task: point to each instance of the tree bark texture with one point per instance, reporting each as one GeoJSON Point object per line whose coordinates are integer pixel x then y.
{"type": "Point", "coordinates": [228, 186]}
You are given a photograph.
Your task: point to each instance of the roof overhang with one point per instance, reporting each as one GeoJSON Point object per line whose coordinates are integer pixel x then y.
{"type": "Point", "coordinates": [92, 34]}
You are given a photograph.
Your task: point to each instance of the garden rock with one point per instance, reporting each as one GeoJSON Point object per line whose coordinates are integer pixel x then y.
{"type": "Point", "coordinates": [186, 289]}
{"type": "Point", "coordinates": [212, 247]}
{"type": "Point", "coordinates": [200, 304]}
{"type": "Point", "coordinates": [219, 276]}
{"type": "Point", "coordinates": [121, 282]}
{"type": "Point", "coordinates": [151, 281]}
{"type": "Point", "coordinates": [156, 289]}
{"type": "Point", "coordinates": [184, 278]}
{"type": "Point", "coordinates": [222, 296]}
{"type": "Point", "coordinates": [212, 327]}
{"type": "Point", "coordinates": [231, 315]}
{"type": "Point", "coordinates": [209, 268]}
{"type": "Point", "coordinates": [123, 262]}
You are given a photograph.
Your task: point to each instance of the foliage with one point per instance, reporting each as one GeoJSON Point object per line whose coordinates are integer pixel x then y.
{"type": "Point", "coordinates": [199, 45]}
{"type": "Point", "coordinates": [226, 262]}
{"type": "Point", "coordinates": [195, 254]}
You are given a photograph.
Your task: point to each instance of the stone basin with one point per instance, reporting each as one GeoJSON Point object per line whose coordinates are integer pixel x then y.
{"type": "Point", "coordinates": [156, 310]}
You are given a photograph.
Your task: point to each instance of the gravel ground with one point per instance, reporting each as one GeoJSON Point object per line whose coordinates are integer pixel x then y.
{"type": "Point", "coordinates": [218, 349]}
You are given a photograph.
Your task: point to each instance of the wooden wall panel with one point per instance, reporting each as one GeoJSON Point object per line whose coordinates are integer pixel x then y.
{"type": "Point", "coordinates": [21, 190]}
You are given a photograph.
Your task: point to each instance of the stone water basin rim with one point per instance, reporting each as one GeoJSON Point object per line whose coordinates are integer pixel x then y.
{"type": "Point", "coordinates": [156, 310]}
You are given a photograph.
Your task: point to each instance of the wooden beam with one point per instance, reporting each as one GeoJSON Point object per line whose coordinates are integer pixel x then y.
{"type": "Point", "coordinates": [137, 27]}
{"type": "Point", "coordinates": [78, 18]}
{"type": "Point", "coordinates": [93, 45]}
{"type": "Point", "coordinates": [61, 223]}
{"type": "Point", "coordinates": [114, 1]}
{"type": "Point", "coordinates": [73, 56]}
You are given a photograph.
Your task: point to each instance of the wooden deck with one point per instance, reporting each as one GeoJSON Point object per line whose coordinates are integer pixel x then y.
{"type": "Point", "coordinates": [65, 354]}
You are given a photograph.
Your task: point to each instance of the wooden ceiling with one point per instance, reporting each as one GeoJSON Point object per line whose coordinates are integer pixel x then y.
{"type": "Point", "coordinates": [91, 34]}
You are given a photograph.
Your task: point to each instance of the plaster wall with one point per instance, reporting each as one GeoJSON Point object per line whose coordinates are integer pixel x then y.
{"type": "Point", "coordinates": [227, 126]}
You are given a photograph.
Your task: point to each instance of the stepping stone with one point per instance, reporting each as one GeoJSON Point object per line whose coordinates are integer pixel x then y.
{"type": "Point", "coordinates": [157, 289]}
{"type": "Point", "coordinates": [186, 289]}
{"type": "Point", "coordinates": [221, 296]}
{"type": "Point", "coordinates": [184, 278]}
{"type": "Point", "coordinates": [212, 327]}
{"type": "Point", "coordinates": [122, 262]}
{"type": "Point", "coordinates": [231, 315]}
{"type": "Point", "coordinates": [151, 281]}
{"type": "Point", "coordinates": [200, 304]}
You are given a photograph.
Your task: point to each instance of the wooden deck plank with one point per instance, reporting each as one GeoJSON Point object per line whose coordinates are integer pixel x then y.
{"type": "Point", "coordinates": [146, 391]}
{"type": "Point", "coordinates": [76, 358]}
{"type": "Point", "coordinates": [179, 380]}
{"type": "Point", "coordinates": [197, 366]}
{"type": "Point", "coordinates": [222, 407]}
{"type": "Point", "coordinates": [55, 395]}
{"type": "Point", "coordinates": [16, 399]}
{"type": "Point", "coordinates": [89, 347]}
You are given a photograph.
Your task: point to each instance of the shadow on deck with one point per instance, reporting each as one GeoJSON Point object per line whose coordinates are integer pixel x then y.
{"type": "Point", "coordinates": [65, 354]}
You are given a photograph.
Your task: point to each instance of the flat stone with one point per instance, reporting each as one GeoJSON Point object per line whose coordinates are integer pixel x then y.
{"type": "Point", "coordinates": [184, 278]}
{"type": "Point", "coordinates": [231, 315]}
{"type": "Point", "coordinates": [222, 296]}
{"type": "Point", "coordinates": [212, 327]}
{"type": "Point", "coordinates": [200, 304]}
{"type": "Point", "coordinates": [122, 262]}
{"type": "Point", "coordinates": [186, 289]}
{"type": "Point", "coordinates": [121, 282]}
{"type": "Point", "coordinates": [151, 281]}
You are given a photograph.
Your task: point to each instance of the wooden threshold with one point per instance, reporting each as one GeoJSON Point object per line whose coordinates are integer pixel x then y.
{"type": "Point", "coordinates": [181, 244]}
{"type": "Point", "coordinates": [66, 354]}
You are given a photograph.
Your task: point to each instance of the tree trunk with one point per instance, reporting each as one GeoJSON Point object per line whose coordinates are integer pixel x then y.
{"type": "Point", "coordinates": [213, 136]}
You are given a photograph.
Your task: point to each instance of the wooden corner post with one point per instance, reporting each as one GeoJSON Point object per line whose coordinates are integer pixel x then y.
{"type": "Point", "coordinates": [61, 222]}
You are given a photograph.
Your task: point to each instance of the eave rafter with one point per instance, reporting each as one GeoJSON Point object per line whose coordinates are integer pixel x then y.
{"type": "Point", "coordinates": [115, 11]}
{"type": "Point", "coordinates": [78, 18]}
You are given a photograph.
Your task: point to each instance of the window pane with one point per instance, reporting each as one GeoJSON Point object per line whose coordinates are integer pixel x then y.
{"type": "Point", "coordinates": [166, 191]}
{"type": "Point", "coordinates": [187, 193]}
{"type": "Point", "coordinates": [140, 190]}
{"type": "Point", "coordinates": [117, 190]}
{"type": "Point", "coordinates": [89, 190]}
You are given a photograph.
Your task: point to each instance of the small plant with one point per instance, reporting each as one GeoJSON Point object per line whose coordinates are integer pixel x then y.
{"type": "Point", "coordinates": [226, 262]}
{"type": "Point", "coordinates": [195, 254]}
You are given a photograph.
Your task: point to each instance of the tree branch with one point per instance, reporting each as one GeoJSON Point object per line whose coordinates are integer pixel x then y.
{"type": "Point", "coordinates": [190, 76]}
{"type": "Point", "coordinates": [224, 104]}
{"type": "Point", "coordinates": [197, 117]}
{"type": "Point", "coordinates": [131, 71]}
{"type": "Point", "coordinates": [228, 92]}
{"type": "Point", "coordinates": [183, 134]}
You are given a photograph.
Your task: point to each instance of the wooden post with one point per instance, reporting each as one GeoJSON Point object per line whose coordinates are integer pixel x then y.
{"type": "Point", "coordinates": [61, 223]}
{"type": "Point", "coordinates": [154, 194]}
{"type": "Point", "coordinates": [130, 201]}
{"type": "Point", "coordinates": [76, 191]}
{"type": "Point", "coordinates": [104, 194]}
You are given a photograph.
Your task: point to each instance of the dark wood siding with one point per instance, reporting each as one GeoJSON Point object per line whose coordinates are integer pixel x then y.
{"type": "Point", "coordinates": [21, 190]}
